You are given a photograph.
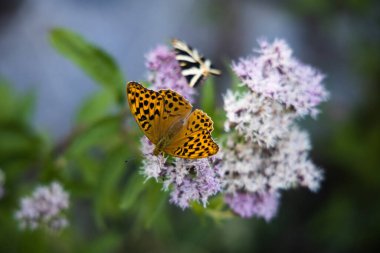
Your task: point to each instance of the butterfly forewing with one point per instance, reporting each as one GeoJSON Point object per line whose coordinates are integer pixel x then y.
{"type": "Point", "coordinates": [147, 107]}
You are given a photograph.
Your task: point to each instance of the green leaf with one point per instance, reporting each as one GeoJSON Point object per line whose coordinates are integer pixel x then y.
{"type": "Point", "coordinates": [15, 107]}
{"type": "Point", "coordinates": [100, 133]}
{"type": "Point", "coordinates": [15, 142]}
{"type": "Point", "coordinates": [132, 191]}
{"type": "Point", "coordinates": [108, 192]}
{"type": "Point", "coordinates": [90, 168]}
{"type": "Point", "coordinates": [95, 107]}
{"type": "Point", "coordinates": [217, 213]}
{"type": "Point", "coordinates": [159, 208]}
{"type": "Point", "coordinates": [94, 61]}
{"type": "Point", "coordinates": [107, 242]}
{"type": "Point", "coordinates": [153, 203]}
{"type": "Point", "coordinates": [208, 97]}
{"type": "Point", "coordinates": [6, 102]}
{"type": "Point", "coordinates": [25, 106]}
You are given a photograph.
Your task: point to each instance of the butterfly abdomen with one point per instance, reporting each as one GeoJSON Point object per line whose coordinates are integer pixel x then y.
{"type": "Point", "coordinates": [158, 149]}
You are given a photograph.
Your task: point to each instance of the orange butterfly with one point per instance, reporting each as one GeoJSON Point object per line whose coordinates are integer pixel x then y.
{"type": "Point", "coordinates": [166, 119]}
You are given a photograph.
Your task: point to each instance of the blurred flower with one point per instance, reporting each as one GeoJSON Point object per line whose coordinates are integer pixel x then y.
{"type": "Point", "coordinates": [2, 181]}
{"type": "Point", "coordinates": [274, 73]}
{"type": "Point", "coordinates": [44, 208]}
{"type": "Point", "coordinates": [152, 165]}
{"type": "Point", "coordinates": [165, 72]}
{"type": "Point", "coordinates": [257, 118]}
{"type": "Point", "coordinates": [193, 180]}
{"type": "Point", "coordinates": [265, 151]}
{"type": "Point", "coordinates": [247, 205]}
{"type": "Point", "coordinates": [247, 166]}
{"type": "Point", "coordinates": [188, 179]}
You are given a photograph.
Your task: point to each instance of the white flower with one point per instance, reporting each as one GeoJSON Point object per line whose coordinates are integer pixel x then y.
{"type": "Point", "coordinates": [257, 118]}
{"type": "Point", "coordinates": [253, 204]}
{"type": "Point", "coordinates": [274, 73]}
{"type": "Point", "coordinates": [265, 152]}
{"type": "Point", "coordinates": [262, 170]}
{"type": "Point", "coordinates": [187, 179]}
{"type": "Point", "coordinates": [44, 208]}
{"type": "Point", "coordinates": [193, 180]}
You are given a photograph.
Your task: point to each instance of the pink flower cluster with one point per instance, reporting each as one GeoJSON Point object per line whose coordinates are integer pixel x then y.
{"type": "Point", "coordinates": [275, 74]}
{"type": "Point", "coordinates": [44, 208]}
{"type": "Point", "coordinates": [188, 179]}
{"type": "Point", "coordinates": [265, 151]}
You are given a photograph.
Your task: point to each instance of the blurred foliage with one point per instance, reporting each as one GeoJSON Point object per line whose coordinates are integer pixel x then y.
{"type": "Point", "coordinates": [93, 60]}
{"type": "Point", "coordinates": [114, 210]}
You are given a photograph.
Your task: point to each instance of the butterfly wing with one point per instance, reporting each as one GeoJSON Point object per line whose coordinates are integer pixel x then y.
{"type": "Point", "coordinates": [194, 139]}
{"type": "Point", "coordinates": [196, 145]}
{"type": "Point", "coordinates": [147, 107]}
{"type": "Point", "coordinates": [176, 108]}
{"type": "Point", "coordinates": [193, 65]}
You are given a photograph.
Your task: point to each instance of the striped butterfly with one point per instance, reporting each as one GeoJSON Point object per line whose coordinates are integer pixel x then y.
{"type": "Point", "coordinates": [167, 120]}
{"type": "Point", "coordinates": [194, 67]}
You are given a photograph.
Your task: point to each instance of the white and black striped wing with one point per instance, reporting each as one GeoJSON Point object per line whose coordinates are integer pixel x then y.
{"type": "Point", "coordinates": [194, 67]}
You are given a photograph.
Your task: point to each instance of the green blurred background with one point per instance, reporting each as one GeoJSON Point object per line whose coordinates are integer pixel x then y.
{"type": "Point", "coordinates": [63, 117]}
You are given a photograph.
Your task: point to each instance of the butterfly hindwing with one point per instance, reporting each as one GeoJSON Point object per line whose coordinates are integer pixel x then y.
{"type": "Point", "coordinates": [194, 140]}
{"type": "Point", "coordinates": [198, 120]}
{"type": "Point", "coordinates": [194, 67]}
{"type": "Point", "coordinates": [147, 107]}
{"type": "Point", "coordinates": [196, 145]}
